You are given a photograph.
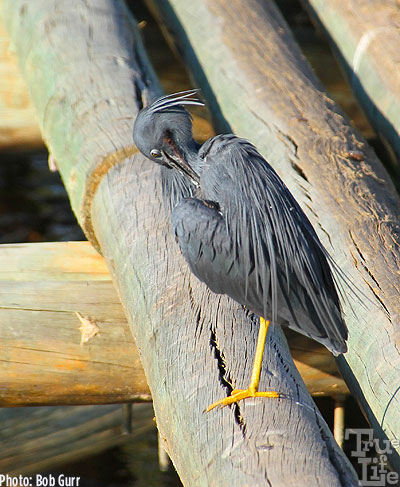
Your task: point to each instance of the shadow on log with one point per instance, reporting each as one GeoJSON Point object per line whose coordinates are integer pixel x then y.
{"type": "Point", "coordinates": [40, 439]}
{"type": "Point", "coordinates": [88, 76]}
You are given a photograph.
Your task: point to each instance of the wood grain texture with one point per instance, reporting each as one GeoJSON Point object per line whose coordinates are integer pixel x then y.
{"type": "Point", "coordinates": [88, 75]}
{"type": "Point", "coordinates": [366, 36]}
{"type": "Point", "coordinates": [45, 285]}
{"type": "Point", "coordinates": [41, 439]}
{"type": "Point", "coordinates": [259, 83]}
{"type": "Point", "coordinates": [42, 361]}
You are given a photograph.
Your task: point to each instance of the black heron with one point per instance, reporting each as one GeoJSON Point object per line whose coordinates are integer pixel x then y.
{"type": "Point", "coordinates": [241, 231]}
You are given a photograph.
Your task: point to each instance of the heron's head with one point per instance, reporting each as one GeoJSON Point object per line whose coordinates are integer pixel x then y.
{"type": "Point", "coordinates": [163, 132]}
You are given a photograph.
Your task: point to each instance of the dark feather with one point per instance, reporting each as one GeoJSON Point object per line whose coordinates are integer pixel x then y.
{"type": "Point", "coordinates": [175, 187]}
{"type": "Point", "coordinates": [175, 100]}
{"type": "Point", "coordinates": [260, 248]}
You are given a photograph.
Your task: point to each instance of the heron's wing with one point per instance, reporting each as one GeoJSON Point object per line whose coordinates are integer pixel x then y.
{"type": "Point", "coordinates": [208, 248]}
{"type": "Point", "coordinates": [286, 264]}
{"type": "Point", "coordinates": [205, 243]}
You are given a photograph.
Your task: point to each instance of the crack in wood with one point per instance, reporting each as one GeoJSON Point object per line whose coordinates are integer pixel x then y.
{"type": "Point", "coordinates": [284, 365]}
{"type": "Point", "coordinates": [377, 296]}
{"type": "Point", "coordinates": [198, 312]}
{"type": "Point", "coordinates": [365, 267]}
{"type": "Point", "coordinates": [356, 246]}
{"type": "Point", "coordinates": [291, 144]}
{"type": "Point", "coordinates": [311, 209]}
{"type": "Point", "coordinates": [225, 379]}
{"type": "Point", "coordinates": [305, 192]}
{"type": "Point", "coordinates": [298, 169]}
{"type": "Point", "coordinates": [326, 233]}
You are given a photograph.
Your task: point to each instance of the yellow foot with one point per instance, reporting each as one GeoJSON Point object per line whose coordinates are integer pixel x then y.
{"type": "Point", "coordinates": [239, 394]}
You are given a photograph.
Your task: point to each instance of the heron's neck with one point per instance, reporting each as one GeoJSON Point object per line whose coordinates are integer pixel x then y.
{"type": "Point", "coordinates": [192, 156]}
{"type": "Point", "coordinates": [176, 185]}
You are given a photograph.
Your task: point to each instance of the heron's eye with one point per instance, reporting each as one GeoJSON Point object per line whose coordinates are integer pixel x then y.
{"type": "Point", "coordinates": [155, 153]}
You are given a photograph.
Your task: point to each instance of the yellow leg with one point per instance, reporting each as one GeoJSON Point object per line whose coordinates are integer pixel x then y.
{"type": "Point", "coordinates": [252, 391]}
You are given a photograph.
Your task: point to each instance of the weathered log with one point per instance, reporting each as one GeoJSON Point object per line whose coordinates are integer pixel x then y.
{"type": "Point", "coordinates": [365, 35]}
{"type": "Point", "coordinates": [46, 285]}
{"type": "Point", "coordinates": [18, 125]}
{"type": "Point", "coordinates": [87, 75]}
{"type": "Point", "coordinates": [39, 439]}
{"type": "Point", "coordinates": [317, 366]}
{"type": "Point", "coordinates": [43, 359]}
{"type": "Point", "coordinates": [258, 81]}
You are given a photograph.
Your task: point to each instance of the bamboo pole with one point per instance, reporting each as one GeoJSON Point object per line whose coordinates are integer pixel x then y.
{"type": "Point", "coordinates": [88, 75]}
{"type": "Point", "coordinates": [260, 86]}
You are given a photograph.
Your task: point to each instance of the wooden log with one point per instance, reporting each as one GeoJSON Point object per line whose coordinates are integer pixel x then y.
{"type": "Point", "coordinates": [41, 439]}
{"type": "Point", "coordinates": [18, 125]}
{"type": "Point", "coordinates": [365, 35]}
{"type": "Point", "coordinates": [258, 82]}
{"type": "Point", "coordinates": [317, 366]}
{"type": "Point", "coordinates": [45, 285]}
{"type": "Point", "coordinates": [88, 75]}
{"type": "Point", "coordinates": [42, 358]}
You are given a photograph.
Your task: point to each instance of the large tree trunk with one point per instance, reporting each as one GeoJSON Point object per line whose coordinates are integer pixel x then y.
{"type": "Point", "coordinates": [88, 76]}
{"type": "Point", "coordinates": [259, 83]}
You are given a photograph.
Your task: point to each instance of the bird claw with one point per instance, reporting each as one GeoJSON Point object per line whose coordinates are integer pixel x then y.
{"type": "Point", "coordinates": [240, 394]}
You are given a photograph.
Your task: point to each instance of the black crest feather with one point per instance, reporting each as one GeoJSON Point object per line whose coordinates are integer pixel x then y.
{"type": "Point", "coordinates": [175, 99]}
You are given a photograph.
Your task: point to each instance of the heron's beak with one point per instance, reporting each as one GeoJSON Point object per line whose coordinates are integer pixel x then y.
{"type": "Point", "coordinates": [176, 161]}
